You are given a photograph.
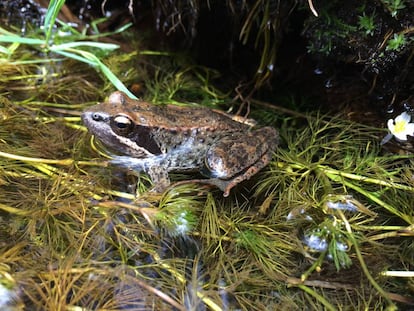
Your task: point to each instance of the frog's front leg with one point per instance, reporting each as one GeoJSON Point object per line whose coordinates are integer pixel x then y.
{"type": "Point", "coordinates": [159, 177]}
{"type": "Point", "coordinates": [154, 168]}
{"type": "Point", "coordinates": [239, 156]}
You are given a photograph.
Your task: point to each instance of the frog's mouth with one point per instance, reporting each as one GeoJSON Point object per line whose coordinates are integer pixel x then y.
{"type": "Point", "coordinates": [98, 126]}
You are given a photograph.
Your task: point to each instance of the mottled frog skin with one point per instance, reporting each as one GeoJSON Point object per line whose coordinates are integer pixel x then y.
{"type": "Point", "coordinates": [158, 139]}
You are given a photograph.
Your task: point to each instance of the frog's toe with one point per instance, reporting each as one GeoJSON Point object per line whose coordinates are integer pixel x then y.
{"type": "Point", "coordinates": [223, 185]}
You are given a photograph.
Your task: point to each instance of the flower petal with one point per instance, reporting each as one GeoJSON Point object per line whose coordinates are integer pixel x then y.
{"type": "Point", "coordinates": [410, 129]}
{"type": "Point", "coordinates": [401, 135]}
{"type": "Point", "coordinates": [404, 117]}
{"type": "Point", "coordinates": [391, 125]}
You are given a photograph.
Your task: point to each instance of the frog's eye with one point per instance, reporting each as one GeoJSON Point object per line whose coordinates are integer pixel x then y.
{"type": "Point", "coordinates": [122, 125]}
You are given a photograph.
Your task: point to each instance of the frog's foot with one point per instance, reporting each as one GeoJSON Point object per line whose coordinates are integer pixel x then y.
{"type": "Point", "coordinates": [223, 185]}
{"type": "Point", "coordinates": [215, 182]}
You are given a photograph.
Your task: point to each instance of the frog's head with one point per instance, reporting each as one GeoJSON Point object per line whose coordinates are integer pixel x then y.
{"type": "Point", "coordinates": [114, 123]}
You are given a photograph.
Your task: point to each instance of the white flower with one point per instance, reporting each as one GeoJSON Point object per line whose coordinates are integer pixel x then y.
{"type": "Point", "coordinates": [401, 126]}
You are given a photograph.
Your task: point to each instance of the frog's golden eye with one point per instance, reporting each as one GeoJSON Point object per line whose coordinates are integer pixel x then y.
{"type": "Point", "coordinates": [122, 125]}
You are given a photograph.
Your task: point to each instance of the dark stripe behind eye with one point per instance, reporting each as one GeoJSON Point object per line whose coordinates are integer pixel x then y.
{"type": "Point", "coordinates": [144, 139]}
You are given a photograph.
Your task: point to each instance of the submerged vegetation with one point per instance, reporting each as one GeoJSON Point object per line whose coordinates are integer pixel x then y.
{"type": "Point", "coordinates": [329, 213]}
{"type": "Point", "coordinates": [328, 224]}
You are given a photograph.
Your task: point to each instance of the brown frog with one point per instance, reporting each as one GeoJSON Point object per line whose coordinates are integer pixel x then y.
{"type": "Point", "coordinates": [158, 139]}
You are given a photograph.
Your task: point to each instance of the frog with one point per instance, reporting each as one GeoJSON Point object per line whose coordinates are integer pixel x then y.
{"type": "Point", "coordinates": [160, 139]}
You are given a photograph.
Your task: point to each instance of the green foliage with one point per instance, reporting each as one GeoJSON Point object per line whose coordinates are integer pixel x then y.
{"type": "Point", "coordinates": [397, 42]}
{"type": "Point", "coordinates": [176, 215]}
{"type": "Point", "coordinates": [329, 203]}
{"type": "Point", "coordinates": [339, 182]}
{"type": "Point", "coordinates": [333, 29]}
{"type": "Point", "coordinates": [192, 84]}
{"type": "Point", "coordinates": [72, 44]}
{"type": "Point", "coordinates": [374, 39]}
{"type": "Point", "coordinates": [264, 14]}
{"type": "Point", "coordinates": [50, 18]}
{"type": "Point", "coordinates": [367, 24]}
{"type": "Point", "coordinates": [324, 205]}
{"type": "Point", "coordinates": [393, 6]}
{"type": "Point", "coordinates": [329, 238]}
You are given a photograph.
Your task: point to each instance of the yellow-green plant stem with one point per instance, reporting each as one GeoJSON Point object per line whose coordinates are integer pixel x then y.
{"type": "Point", "coordinates": [314, 266]}
{"type": "Point", "coordinates": [318, 297]}
{"type": "Point", "coordinates": [341, 177]}
{"type": "Point", "coordinates": [64, 162]}
{"type": "Point", "coordinates": [43, 166]}
{"type": "Point", "coordinates": [397, 232]}
{"type": "Point", "coordinates": [332, 172]}
{"type": "Point", "coordinates": [391, 305]}
{"type": "Point", "coordinates": [375, 199]}
{"type": "Point", "coordinates": [15, 211]}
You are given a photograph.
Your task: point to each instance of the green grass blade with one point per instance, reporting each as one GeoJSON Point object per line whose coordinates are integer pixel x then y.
{"type": "Point", "coordinates": [76, 56]}
{"type": "Point", "coordinates": [19, 39]}
{"type": "Point", "coordinates": [77, 44]}
{"type": "Point", "coordinates": [4, 50]}
{"type": "Point", "coordinates": [91, 59]}
{"type": "Point", "coordinates": [50, 18]}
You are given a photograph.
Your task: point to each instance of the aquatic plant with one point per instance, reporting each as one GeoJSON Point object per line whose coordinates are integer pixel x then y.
{"type": "Point", "coordinates": [65, 40]}
{"type": "Point", "coordinates": [328, 224]}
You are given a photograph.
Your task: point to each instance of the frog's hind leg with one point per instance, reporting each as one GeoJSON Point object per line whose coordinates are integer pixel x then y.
{"type": "Point", "coordinates": [239, 156]}
{"type": "Point", "coordinates": [228, 184]}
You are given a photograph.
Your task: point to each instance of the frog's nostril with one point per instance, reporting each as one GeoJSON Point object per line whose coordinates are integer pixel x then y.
{"type": "Point", "coordinates": [96, 116]}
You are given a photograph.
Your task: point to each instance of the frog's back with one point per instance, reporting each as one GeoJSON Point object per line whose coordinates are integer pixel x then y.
{"type": "Point", "coordinates": [172, 117]}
